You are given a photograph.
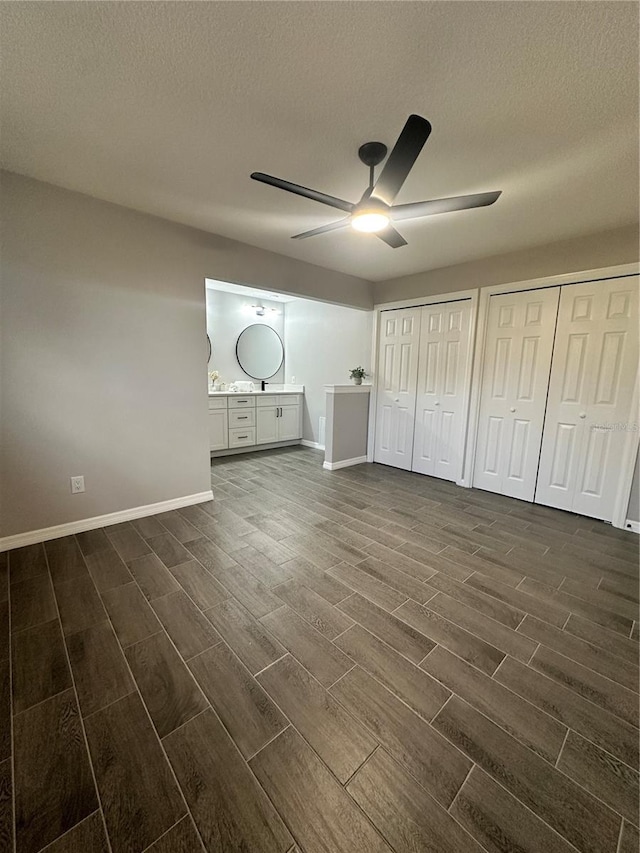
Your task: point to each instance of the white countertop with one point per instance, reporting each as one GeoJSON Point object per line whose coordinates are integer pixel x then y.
{"type": "Point", "coordinates": [270, 390]}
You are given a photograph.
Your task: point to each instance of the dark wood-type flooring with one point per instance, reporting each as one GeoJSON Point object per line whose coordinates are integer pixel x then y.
{"type": "Point", "coordinates": [358, 661]}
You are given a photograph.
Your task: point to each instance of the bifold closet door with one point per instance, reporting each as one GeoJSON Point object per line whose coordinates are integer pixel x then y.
{"type": "Point", "coordinates": [396, 389]}
{"type": "Point", "coordinates": [441, 401]}
{"type": "Point", "coordinates": [595, 363]}
{"type": "Point", "coordinates": [515, 379]}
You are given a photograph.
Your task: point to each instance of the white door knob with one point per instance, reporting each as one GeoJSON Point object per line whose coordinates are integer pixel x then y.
{"type": "Point", "coordinates": [436, 403]}
{"type": "Point", "coordinates": [512, 409]}
{"type": "Point", "coordinates": [397, 400]}
{"type": "Point", "coordinates": [583, 415]}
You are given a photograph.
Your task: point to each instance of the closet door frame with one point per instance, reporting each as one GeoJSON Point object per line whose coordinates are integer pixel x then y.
{"type": "Point", "coordinates": [632, 442]}
{"type": "Point", "coordinates": [472, 296]}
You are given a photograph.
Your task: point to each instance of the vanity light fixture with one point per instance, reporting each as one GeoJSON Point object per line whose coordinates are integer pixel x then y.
{"type": "Point", "coordinates": [261, 310]}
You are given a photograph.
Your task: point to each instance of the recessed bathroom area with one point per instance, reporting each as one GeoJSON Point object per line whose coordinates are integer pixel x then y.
{"type": "Point", "coordinates": [272, 356]}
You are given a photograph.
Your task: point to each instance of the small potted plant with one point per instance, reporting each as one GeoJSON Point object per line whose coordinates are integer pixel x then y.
{"type": "Point", "coordinates": [358, 374]}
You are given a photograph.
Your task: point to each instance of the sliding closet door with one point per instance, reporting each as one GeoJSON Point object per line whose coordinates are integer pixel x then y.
{"type": "Point", "coordinates": [517, 359]}
{"type": "Point", "coordinates": [397, 373]}
{"type": "Point", "coordinates": [594, 369]}
{"type": "Point", "coordinates": [441, 404]}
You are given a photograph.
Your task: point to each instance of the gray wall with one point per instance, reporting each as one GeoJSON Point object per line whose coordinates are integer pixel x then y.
{"type": "Point", "coordinates": [606, 248]}
{"type": "Point", "coordinates": [633, 513]}
{"type": "Point", "coordinates": [347, 426]}
{"type": "Point", "coordinates": [103, 350]}
{"type": "Point", "coordinates": [227, 315]}
{"type": "Point", "coordinates": [322, 344]}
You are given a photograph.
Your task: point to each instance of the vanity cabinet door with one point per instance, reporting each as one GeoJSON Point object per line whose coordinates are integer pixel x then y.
{"type": "Point", "coordinates": [218, 430]}
{"type": "Point", "coordinates": [289, 423]}
{"type": "Point", "coordinates": [267, 424]}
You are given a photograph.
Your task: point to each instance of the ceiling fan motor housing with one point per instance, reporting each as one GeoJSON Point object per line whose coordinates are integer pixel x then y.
{"type": "Point", "coordinates": [372, 153]}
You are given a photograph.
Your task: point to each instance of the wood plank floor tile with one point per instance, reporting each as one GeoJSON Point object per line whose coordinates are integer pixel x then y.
{"type": "Point", "coordinates": [246, 710]}
{"type": "Point", "coordinates": [169, 550]}
{"type": "Point", "coordinates": [39, 665]}
{"type": "Point", "coordinates": [317, 654]}
{"type": "Point", "coordinates": [629, 839]}
{"type": "Point", "coordinates": [308, 548]}
{"type": "Point", "coordinates": [130, 613]}
{"type": "Point", "coordinates": [320, 581]}
{"type": "Point", "coordinates": [397, 579]}
{"type": "Point", "coordinates": [319, 812]}
{"type": "Point", "coordinates": [229, 808]}
{"type": "Point", "coordinates": [608, 640]}
{"type": "Point", "coordinates": [79, 604]}
{"type": "Point", "coordinates": [167, 688]}
{"type": "Point", "coordinates": [623, 589]}
{"type": "Point", "coordinates": [261, 566]}
{"type": "Point", "coordinates": [182, 838]}
{"type": "Point", "coordinates": [270, 547]}
{"type": "Point", "coordinates": [99, 668]}
{"type": "Point", "coordinates": [65, 560]}
{"type": "Point", "coordinates": [607, 778]}
{"type": "Point", "coordinates": [4, 630]}
{"type": "Point", "coordinates": [6, 806]}
{"type": "Point", "coordinates": [414, 686]}
{"type": "Point", "coordinates": [199, 584]}
{"type": "Point", "coordinates": [500, 822]}
{"type": "Point", "coordinates": [189, 629]}
{"type": "Point", "coordinates": [494, 633]}
{"type": "Point", "coordinates": [532, 727]}
{"type": "Point", "coordinates": [341, 741]}
{"type": "Point", "coordinates": [54, 787]}
{"type": "Point", "coordinates": [27, 562]}
{"type": "Point", "coordinates": [485, 604]}
{"type": "Point", "coordinates": [434, 763]}
{"type": "Point", "coordinates": [315, 609]}
{"type": "Point", "coordinates": [590, 720]}
{"type": "Point", "coordinates": [127, 541]}
{"type": "Point", "coordinates": [178, 526]}
{"type": "Point", "coordinates": [92, 541]}
{"type": "Point", "coordinates": [403, 813]}
{"type": "Point", "coordinates": [394, 631]}
{"type": "Point", "coordinates": [87, 836]}
{"type": "Point", "coordinates": [107, 569]}
{"type": "Point", "coordinates": [248, 638]}
{"type": "Point", "coordinates": [551, 613]}
{"type": "Point", "coordinates": [601, 598]}
{"type": "Point", "coordinates": [593, 657]}
{"type": "Point", "coordinates": [565, 806]}
{"type": "Point", "coordinates": [483, 563]}
{"type": "Point", "coordinates": [5, 709]}
{"type": "Point", "coordinates": [32, 603]}
{"type": "Point", "coordinates": [592, 686]}
{"type": "Point", "coordinates": [148, 527]}
{"type": "Point", "coordinates": [139, 796]}
{"type": "Point", "coordinates": [448, 634]}
{"type": "Point", "coordinates": [152, 576]}
{"type": "Point", "coordinates": [252, 593]}
{"type": "Point", "coordinates": [422, 569]}
{"type": "Point", "coordinates": [369, 587]}
{"type": "Point", "coordinates": [213, 558]}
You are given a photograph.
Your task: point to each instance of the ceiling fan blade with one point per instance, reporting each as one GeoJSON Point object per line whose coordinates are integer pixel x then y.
{"type": "Point", "coordinates": [332, 226]}
{"type": "Point", "coordinates": [413, 136]}
{"type": "Point", "coordinates": [443, 205]}
{"type": "Point", "coordinates": [314, 195]}
{"type": "Point", "coordinates": [391, 237]}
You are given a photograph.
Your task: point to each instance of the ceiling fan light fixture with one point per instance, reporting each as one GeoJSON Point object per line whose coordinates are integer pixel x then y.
{"type": "Point", "coordinates": [369, 221]}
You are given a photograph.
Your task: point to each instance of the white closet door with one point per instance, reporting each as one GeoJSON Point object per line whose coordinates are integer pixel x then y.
{"type": "Point", "coordinates": [397, 374]}
{"type": "Point", "coordinates": [594, 369]}
{"type": "Point", "coordinates": [441, 404]}
{"type": "Point", "coordinates": [517, 360]}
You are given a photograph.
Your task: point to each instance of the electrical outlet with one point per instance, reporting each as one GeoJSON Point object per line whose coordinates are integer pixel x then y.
{"type": "Point", "coordinates": [77, 485]}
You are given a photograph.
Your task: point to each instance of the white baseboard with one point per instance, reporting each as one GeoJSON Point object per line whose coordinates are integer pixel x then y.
{"type": "Point", "coordinates": [633, 526]}
{"type": "Point", "coordinates": [344, 463]}
{"type": "Point", "coordinates": [31, 537]}
{"type": "Point", "coordinates": [314, 444]}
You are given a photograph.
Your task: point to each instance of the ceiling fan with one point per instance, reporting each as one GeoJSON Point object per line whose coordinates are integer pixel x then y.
{"type": "Point", "coordinates": [375, 211]}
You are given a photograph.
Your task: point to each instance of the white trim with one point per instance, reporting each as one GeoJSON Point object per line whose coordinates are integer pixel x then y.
{"type": "Point", "coordinates": [344, 463]}
{"type": "Point", "coordinates": [313, 444]}
{"type": "Point", "coordinates": [436, 299]}
{"type": "Point", "coordinates": [348, 389]}
{"type": "Point", "coordinates": [627, 464]}
{"type": "Point", "coordinates": [32, 537]}
{"type": "Point", "coordinates": [633, 526]}
{"type": "Point", "coordinates": [580, 277]}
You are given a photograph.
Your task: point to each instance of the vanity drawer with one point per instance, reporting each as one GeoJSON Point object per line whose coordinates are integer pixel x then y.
{"type": "Point", "coordinates": [289, 400]}
{"type": "Point", "coordinates": [243, 402]}
{"type": "Point", "coordinates": [267, 401]}
{"type": "Point", "coordinates": [242, 418]}
{"type": "Point", "coordinates": [217, 402]}
{"type": "Point", "coordinates": [241, 437]}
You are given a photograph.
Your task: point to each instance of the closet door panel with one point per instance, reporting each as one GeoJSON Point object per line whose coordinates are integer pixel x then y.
{"type": "Point", "coordinates": [519, 342]}
{"type": "Point", "coordinates": [594, 370]}
{"type": "Point", "coordinates": [441, 407]}
{"type": "Point", "coordinates": [397, 376]}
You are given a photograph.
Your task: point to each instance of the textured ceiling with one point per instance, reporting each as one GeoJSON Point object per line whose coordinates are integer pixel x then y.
{"type": "Point", "coordinates": [168, 107]}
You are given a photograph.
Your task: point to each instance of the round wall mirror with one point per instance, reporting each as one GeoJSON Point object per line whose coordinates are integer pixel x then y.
{"type": "Point", "coordinates": [259, 351]}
